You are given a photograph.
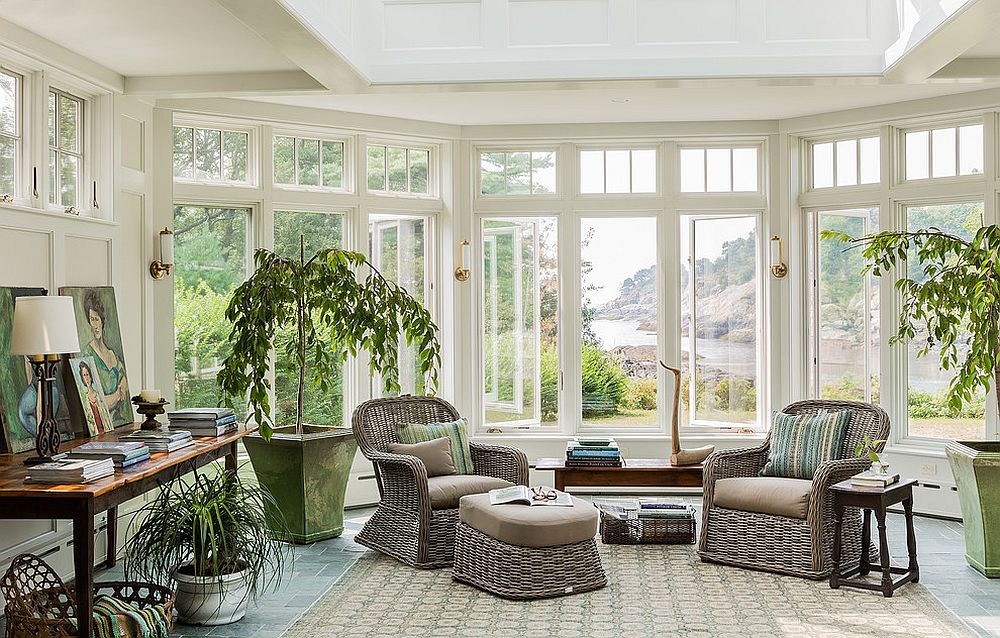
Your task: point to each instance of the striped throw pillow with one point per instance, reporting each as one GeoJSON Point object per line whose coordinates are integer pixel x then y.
{"type": "Point", "coordinates": [800, 442]}
{"type": "Point", "coordinates": [456, 431]}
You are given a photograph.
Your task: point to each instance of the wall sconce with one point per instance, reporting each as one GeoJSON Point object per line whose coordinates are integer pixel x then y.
{"type": "Point", "coordinates": [161, 267]}
{"type": "Point", "coordinates": [462, 272]}
{"type": "Point", "coordinates": [778, 267]}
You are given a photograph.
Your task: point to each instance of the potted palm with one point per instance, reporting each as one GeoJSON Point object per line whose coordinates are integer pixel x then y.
{"type": "Point", "coordinates": [333, 312]}
{"type": "Point", "coordinates": [213, 536]}
{"type": "Point", "coordinates": [953, 301]}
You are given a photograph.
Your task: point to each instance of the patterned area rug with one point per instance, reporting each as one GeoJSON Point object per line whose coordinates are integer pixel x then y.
{"type": "Point", "coordinates": [654, 591]}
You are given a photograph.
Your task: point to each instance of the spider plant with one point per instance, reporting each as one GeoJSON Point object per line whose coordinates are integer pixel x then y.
{"type": "Point", "coordinates": [211, 526]}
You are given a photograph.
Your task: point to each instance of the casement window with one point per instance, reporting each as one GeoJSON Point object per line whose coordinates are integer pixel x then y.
{"type": "Point", "coordinates": [721, 320]}
{"type": "Point", "coordinates": [928, 411]}
{"type": "Point", "coordinates": [10, 133]}
{"type": "Point", "coordinates": [399, 170]}
{"type": "Point", "coordinates": [298, 233]}
{"type": "Point", "coordinates": [399, 248]}
{"type": "Point", "coordinates": [212, 155]}
{"type": "Point", "coordinates": [506, 173]}
{"type": "Point", "coordinates": [211, 254]}
{"type": "Point", "coordinates": [617, 171]}
{"type": "Point", "coordinates": [845, 162]}
{"type": "Point", "coordinates": [519, 315]}
{"type": "Point", "coordinates": [948, 151]}
{"type": "Point", "coordinates": [719, 170]}
{"type": "Point", "coordinates": [844, 325]}
{"type": "Point", "coordinates": [308, 162]}
{"type": "Point", "coordinates": [66, 149]}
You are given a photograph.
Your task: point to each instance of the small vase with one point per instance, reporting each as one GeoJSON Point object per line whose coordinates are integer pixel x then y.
{"type": "Point", "coordinates": [880, 467]}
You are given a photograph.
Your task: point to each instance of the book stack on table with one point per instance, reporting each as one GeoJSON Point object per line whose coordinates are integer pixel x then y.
{"type": "Point", "coordinates": [593, 453]}
{"type": "Point", "coordinates": [873, 480]}
{"type": "Point", "coordinates": [65, 471]}
{"type": "Point", "coordinates": [160, 440]}
{"type": "Point", "coordinates": [203, 421]}
{"type": "Point", "coordinates": [122, 453]}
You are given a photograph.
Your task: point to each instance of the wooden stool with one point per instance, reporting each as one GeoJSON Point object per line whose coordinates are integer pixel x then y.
{"type": "Point", "coordinates": [874, 500]}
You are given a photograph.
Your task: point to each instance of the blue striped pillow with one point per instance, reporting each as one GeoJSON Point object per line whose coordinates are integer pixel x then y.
{"type": "Point", "coordinates": [800, 442]}
{"type": "Point", "coordinates": [456, 431]}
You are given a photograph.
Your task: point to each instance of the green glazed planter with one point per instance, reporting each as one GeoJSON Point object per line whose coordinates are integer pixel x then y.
{"type": "Point", "coordinates": [307, 474]}
{"type": "Point", "coordinates": [976, 467]}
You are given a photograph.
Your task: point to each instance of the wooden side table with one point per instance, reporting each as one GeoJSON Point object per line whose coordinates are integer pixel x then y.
{"type": "Point", "coordinates": [874, 500]}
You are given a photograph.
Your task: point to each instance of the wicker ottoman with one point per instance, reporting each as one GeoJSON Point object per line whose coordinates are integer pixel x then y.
{"type": "Point", "coordinates": [522, 552]}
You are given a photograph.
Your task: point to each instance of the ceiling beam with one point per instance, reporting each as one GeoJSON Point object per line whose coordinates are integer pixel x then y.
{"type": "Point", "coordinates": [969, 70]}
{"type": "Point", "coordinates": [219, 84]}
{"type": "Point", "coordinates": [963, 30]}
{"type": "Point", "coordinates": [299, 42]}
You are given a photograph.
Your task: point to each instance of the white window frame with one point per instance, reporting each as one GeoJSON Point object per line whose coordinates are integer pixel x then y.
{"type": "Point", "coordinates": [21, 86]}
{"type": "Point", "coordinates": [433, 169]}
{"type": "Point", "coordinates": [347, 179]}
{"type": "Point", "coordinates": [808, 163]}
{"type": "Point", "coordinates": [706, 146]}
{"type": "Point", "coordinates": [478, 172]}
{"type": "Point", "coordinates": [929, 127]}
{"type": "Point", "coordinates": [605, 148]}
{"type": "Point", "coordinates": [55, 188]}
{"type": "Point", "coordinates": [182, 120]}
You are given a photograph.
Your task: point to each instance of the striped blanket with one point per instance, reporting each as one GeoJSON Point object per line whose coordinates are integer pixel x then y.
{"type": "Point", "coordinates": [114, 618]}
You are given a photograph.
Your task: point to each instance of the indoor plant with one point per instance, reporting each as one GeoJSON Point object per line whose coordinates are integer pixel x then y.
{"type": "Point", "coordinates": [953, 302]}
{"type": "Point", "coordinates": [214, 536]}
{"type": "Point", "coordinates": [335, 312]}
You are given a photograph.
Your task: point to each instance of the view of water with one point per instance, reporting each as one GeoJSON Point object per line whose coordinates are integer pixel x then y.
{"type": "Point", "coordinates": [616, 332]}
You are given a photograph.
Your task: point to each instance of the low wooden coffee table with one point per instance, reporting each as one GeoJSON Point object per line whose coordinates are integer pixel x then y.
{"type": "Point", "coordinates": [635, 473]}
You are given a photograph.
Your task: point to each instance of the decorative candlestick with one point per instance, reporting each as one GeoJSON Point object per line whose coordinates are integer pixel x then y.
{"type": "Point", "coordinates": [151, 410]}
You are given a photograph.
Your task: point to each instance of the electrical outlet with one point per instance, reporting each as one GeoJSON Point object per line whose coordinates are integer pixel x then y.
{"type": "Point", "coordinates": [928, 469]}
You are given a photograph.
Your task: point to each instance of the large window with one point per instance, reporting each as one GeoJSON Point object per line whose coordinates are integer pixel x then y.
{"type": "Point", "coordinates": [721, 327]}
{"type": "Point", "coordinates": [520, 321]}
{"type": "Point", "coordinates": [618, 171]}
{"type": "Point", "coordinates": [844, 310]}
{"type": "Point", "coordinates": [719, 170]}
{"type": "Point", "coordinates": [944, 152]}
{"type": "Point", "coordinates": [619, 321]}
{"type": "Point", "coordinates": [211, 255]}
{"type": "Point", "coordinates": [846, 162]}
{"type": "Point", "coordinates": [395, 169]}
{"type": "Point", "coordinates": [517, 173]}
{"type": "Point", "coordinates": [10, 132]}
{"type": "Point", "coordinates": [308, 162]}
{"type": "Point", "coordinates": [298, 233]}
{"type": "Point", "coordinates": [929, 414]}
{"type": "Point", "coordinates": [211, 155]}
{"type": "Point", "coordinates": [398, 248]}
{"type": "Point", "coordinates": [65, 149]}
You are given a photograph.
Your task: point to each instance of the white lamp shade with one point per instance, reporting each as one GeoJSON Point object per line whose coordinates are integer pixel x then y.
{"type": "Point", "coordinates": [166, 247]}
{"type": "Point", "coordinates": [44, 325]}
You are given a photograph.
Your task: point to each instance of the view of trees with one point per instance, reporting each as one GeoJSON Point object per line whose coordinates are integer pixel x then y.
{"type": "Point", "coordinates": [518, 173]}
{"type": "Point", "coordinates": [65, 152]}
{"type": "Point", "coordinates": [8, 132]}
{"type": "Point", "coordinates": [398, 170]}
{"type": "Point", "coordinates": [210, 154]}
{"type": "Point", "coordinates": [308, 162]}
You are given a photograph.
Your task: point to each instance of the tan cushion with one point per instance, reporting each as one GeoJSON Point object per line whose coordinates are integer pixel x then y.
{"type": "Point", "coordinates": [527, 526]}
{"type": "Point", "coordinates": [436, 454]}
{"type": "Point", "coordinates": [446, 490]}
{"type": "Point", "coordinates": [765, 495]}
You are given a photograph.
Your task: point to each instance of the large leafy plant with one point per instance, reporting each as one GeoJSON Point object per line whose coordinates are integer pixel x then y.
{"type": "Point", "coordinates": [954, 305]}
{"type": "Point", "coordinates": [211, 526]}
{"type": "Point", "coordinates": [335, 313]}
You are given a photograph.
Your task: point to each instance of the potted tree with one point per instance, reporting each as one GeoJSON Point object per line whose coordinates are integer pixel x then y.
{"type": "Point", "coordinates": [953, 302]}
{"type": "Point", "coordinates": [214, 537]}
{"type": "Point", "coordinates": [334, 313]}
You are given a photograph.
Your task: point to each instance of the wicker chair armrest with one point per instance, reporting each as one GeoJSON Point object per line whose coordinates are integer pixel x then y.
{"type": "Point", "coordinates": [500, 461]}
{"type": "Point", "coordinates": [828, 473]}
{"type": "Point", "coordinates": [403, 481]}
{"type": "Point", "coordinates": [737, 463]}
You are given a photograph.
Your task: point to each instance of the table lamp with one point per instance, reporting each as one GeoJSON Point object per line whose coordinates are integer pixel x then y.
{"type": "Point", "coordinates": [44, 328]}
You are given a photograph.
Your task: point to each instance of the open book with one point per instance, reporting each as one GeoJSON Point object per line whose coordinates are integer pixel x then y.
{"type": "Point", "coordinates": [527, 496]}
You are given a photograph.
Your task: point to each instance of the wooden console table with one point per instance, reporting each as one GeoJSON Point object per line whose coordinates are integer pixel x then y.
{"type": "Point", "coordinates": [79, 503]}
{"type": "Point", "coordinates": [635, 473]}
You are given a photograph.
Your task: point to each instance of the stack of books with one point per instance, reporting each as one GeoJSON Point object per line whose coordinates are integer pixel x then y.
{"type": "Point", "coordinates": [160, 440]}
{"type": "Point", "coordinates": [122, 453]}
{"type": "Point", "coordinates": [657, 510]}
{"type": "Point", "coordinates": [593, 453]}
{"type": "Point", "coordinates": [203, 421]}
{"type": "Point", "coordinates": [66, 471]}
{"type": "Point", "coordinates": [869, 479]}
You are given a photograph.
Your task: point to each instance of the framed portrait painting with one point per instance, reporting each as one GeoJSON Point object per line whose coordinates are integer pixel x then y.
{"type": "Point", "coordinates": [90, 394]}
{"type": "Point", "coordinates": [101, 342]}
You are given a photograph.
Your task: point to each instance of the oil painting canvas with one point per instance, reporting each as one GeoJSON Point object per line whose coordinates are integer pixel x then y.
{"type": "Point", "coordinates": [101, 341]}
{"type": "Point", "coordinates": [91, 395]}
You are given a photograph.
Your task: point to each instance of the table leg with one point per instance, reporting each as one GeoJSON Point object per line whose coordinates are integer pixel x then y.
{"type": "Point", "coordinates": [231, 458]}
{"type": "Point", "coordinates": [83, 565]}
{"type": "Point", "coordinates": [838, 518]}
{"type": "Point", "coordinates": [864, 566]}
{"type": "Point", "coordinates": [112, 529]}
{"type": "Point", "coordinates": [911, 540]}
{"type": "Point", "coordinates": [560, 483]}
{"type": "Point", "coordinates": [883, 551]}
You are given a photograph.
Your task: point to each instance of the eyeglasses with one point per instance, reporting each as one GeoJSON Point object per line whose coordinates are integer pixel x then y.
{"type": "Point", "coordinates": [541, 494]}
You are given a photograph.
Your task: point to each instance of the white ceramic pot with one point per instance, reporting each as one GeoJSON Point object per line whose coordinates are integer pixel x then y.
{"type": "Point", "coordinates": [210, 601]}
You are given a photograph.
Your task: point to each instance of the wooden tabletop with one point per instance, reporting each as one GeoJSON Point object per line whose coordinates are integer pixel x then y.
{"type": "Point", "coordinates": [633, 465]}
{"type": "Point", "coordinates": [847, 487]}
{"type": "Point", "coordinates": [13, 470]}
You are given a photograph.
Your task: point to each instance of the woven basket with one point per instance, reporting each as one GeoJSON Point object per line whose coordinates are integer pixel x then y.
{"type": "Point", "coordinates": [39, 604]}
{"type": "Point", "coordinates": [615, 531]}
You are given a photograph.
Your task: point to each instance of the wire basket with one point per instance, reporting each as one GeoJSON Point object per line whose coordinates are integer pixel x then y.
{"type": "Point", "coordinates": [638, 531]}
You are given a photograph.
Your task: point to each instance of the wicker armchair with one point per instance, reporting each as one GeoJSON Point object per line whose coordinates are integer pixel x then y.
{"type": "Point", "coordinates": [798, 547]}
{"type": "Point", "coordinates": [405, 525]}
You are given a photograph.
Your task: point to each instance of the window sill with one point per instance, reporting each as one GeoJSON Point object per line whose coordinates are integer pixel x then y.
{"type": "Point", "coordinates": [82, 217]}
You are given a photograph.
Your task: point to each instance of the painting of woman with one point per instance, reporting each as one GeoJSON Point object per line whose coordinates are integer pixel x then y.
{"type": "Point", "coordinates": [95, 409]}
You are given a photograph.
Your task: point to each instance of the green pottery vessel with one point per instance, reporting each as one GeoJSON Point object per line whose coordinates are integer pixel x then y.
{"type": "Point", "coordinates": [976, 468]}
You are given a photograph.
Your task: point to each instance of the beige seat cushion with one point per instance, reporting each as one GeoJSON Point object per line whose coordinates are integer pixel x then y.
{"type": "Point", "coordinates": [527, 526]}
{"type": "Point", "coordinates": [765, 495]}
{"type": "Point", "coordinates": [436, 455]}
{"type": "Point", "coordinates": [446, 490]}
